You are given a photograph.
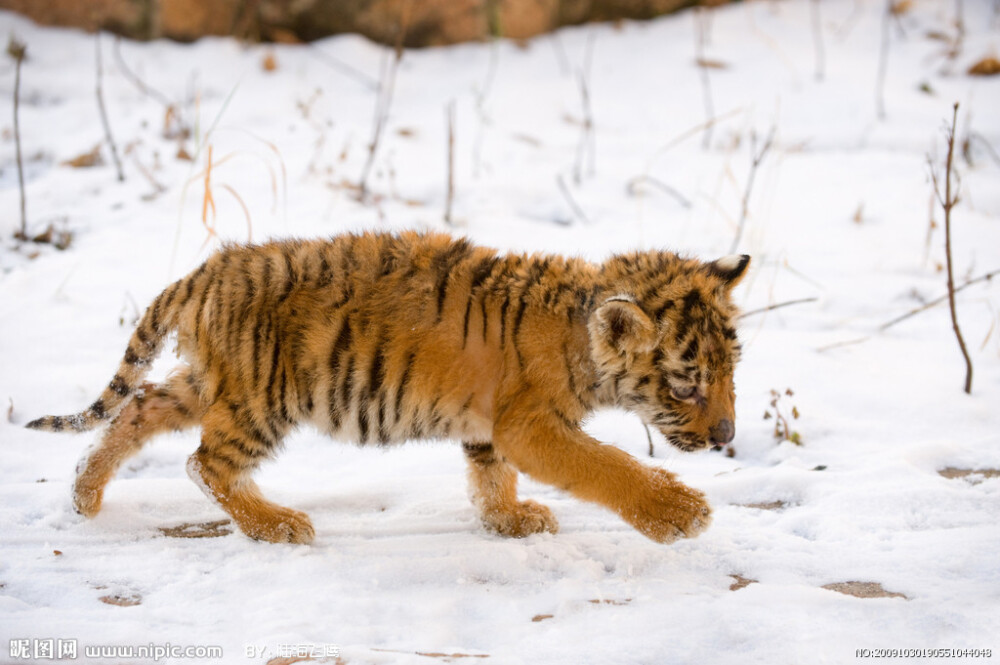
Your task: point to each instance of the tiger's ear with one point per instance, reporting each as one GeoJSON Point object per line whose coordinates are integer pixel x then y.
{"type": "Point", "coordinates": [730, 269]}
{"type": "Point", "coordinates": [621, 324]}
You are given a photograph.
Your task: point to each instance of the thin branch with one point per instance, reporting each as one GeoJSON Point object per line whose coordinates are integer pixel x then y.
{"type": "Point", "coordinates": [450, 117]}
{"type": "Point", "coordinates": [756, 158]}
{"type": "Point", "coordinates": [134, 79]}
{"type": "Point", "coordinates": [649, 437]}
{"type": "Point", "coordinates": [849, 342]}
{"type": "Point", "coordinates": [18, 51]}
{"type": "Point", "coordinates": [948, 203]}
{"type": "Point", "coordinates": [387, 86]}
{"type": "Point", "coordinates": [779, 305]}
{"type": "Point", "coordinates": [633, 188]}
{"type": "Point", "coordinates": [342, 67]}
{"type": "Point", "coordinates": [883, 61]}
{"type": "Point", "coordinates": [817, 26]}
{"type": "Point", "coordinates": [574, 206]}
{"type": "Point", "coordinates": [104, 112]}
{"type": "Point", "coordinates": [585, 147]}
{"type": "Point", "coordinates": [701, 27]}
{"type": "Point", "coordinates": [937, 301]}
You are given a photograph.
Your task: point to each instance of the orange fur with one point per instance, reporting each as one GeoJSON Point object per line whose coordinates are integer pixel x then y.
{"type": "Point", "coordinates": [381, 338]}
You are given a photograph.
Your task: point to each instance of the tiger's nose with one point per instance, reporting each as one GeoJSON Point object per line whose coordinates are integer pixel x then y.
{"type": "Point", "coordinates": [723, 432]}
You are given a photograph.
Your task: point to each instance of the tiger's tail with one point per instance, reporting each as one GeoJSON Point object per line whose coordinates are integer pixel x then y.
{"type": "Point", "coordinates": [143, 347]}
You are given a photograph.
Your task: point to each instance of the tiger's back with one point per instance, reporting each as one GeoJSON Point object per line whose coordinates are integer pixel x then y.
{"type": "Point", "coordinates": [381, 338]}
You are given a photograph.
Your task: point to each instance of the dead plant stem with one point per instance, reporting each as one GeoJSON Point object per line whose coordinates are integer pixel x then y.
{"type": "Point", "coordinates": [103, 110]}
{"type": "Point", "coordinates": [17, 51]}
{"type": "Point", "coordinates": [947, 203]}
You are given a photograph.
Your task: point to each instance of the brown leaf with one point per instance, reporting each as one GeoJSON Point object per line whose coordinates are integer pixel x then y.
{"type": "Point", "coordinates": [10, 410]}
{"type": "Point", "coordinates": [87, 159]}
{"type": "Point", "coordinates": [541, 617]}
{"type": "Point", "coordinates": [900, 7]}
{"type": "Point", "coordinates": [57, 552]}
{"type": "Point", "coordinates": [740, 582]}
{"type": "Point", "coordinates": [707, 63]}
{"type": "Point", "coordinates": [863, 590]}
{"type": "Point", "coordinates": [269, 63]}
{"type": "Point", "coordinates": [988, 66]}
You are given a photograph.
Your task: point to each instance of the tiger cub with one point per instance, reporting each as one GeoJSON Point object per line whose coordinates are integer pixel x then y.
{"type": "Point", "coordinates": [380, 338]}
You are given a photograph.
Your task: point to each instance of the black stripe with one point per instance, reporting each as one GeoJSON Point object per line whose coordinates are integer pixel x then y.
{"type": "Point", "coordinates": [401, 388]}
{"type": "Point", "coordinates": [98, 410]}
{"type": "Point", "coordinates": [119, 386]}
{"type": "Point", "coordinates": [465, 322]}
{"type": "Point", "coordinates": [691, 351]}
{"type": "Point", "coordinates": [131, 357]}
{"type": "Point", "coordinates": [515, 329]}
{"type": "Point", "coordinates": [662, 309]}
{"type": "Point", "coordinates": [503, 319]}
{"type": "Point", "coordinates": [443, 265]}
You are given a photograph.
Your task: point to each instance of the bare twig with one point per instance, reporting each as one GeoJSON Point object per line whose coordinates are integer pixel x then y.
{"type": "Point", "coordinates": [18, 51]}
{"type": "Point", "coordinates": [104, 113]}
{"type": "Point", "coordinates": [849, 342]}
{"type": "Point", "coordinates": [649, 437]}
{"type": "Point", "coordinates": [817, 26]}
{"type": "Point", "coordinates": [342, 67]}
{"type": "Point", "coordinates": [574, 206]}
{"type": "Point", "coordinates": [883, 61]}
{"type": "Point", "coordinates": [756, 158]}
{"type": "Point", "coordinates": [700, 30]}
{"type": "Point", "coordinates": [778, 305]}
{"type": "Point", "coordinates": [634, 188]}
{"type": "Point", "coordinates": [450, 116]}
{"type": "Point", "coordinates": [387, 86]}
{"type": "Point", "coordinates": [585, 148]}
{"type": "Point", "coordinates": [134, 79]}
{"type": "Point", "coordinates": [948, 202]}
{"type": "Point", "coordinates": [937, 301]}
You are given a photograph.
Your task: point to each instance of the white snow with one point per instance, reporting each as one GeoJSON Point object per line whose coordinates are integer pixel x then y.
{"type": "Point", "coordinates": [401, 568]}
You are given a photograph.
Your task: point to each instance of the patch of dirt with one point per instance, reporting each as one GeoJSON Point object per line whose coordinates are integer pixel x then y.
{"type": "Point", "coordinates": [952, 472]}
{"type": "Point", "coordinates": [198, 530]}
{"type": "Point", "coordinates": [863, 590]}
{"type": "Point", "coordinates": [765, 505]}
{"type": "Point", "coordinates": [130, 599]}
{"type": "Point", "coordinates": [740, 582]}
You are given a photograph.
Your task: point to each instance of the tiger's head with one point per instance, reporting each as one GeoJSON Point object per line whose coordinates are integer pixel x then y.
{"type": "Point", "coordinates": [665, 346]}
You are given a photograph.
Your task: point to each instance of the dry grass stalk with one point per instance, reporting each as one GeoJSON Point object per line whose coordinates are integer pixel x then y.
{"type": "Point", "coordinates": [574, 206]}
{"type": "Point", "coordinates": [18, 51]}
{"type": "Point", "coordinates": [757, 156]}
{"type": "Point", "coordinates": [701, 25]}
{"type": "Point", "coordinates": [883, 59]}
{"type": "Point", "coordinates": [779, 305]}
{"type": "Point", "coordinates": [104, 112]}
{"type": "Point", "coordinates": [817, 29]}
{"type": "Point", "coordinates": [948, 202]}
{"type": "Point", "coordinates": [450, 116]}
{"type": "Point", "coordinates": [387, 87]}
{"type": "Point", "coordinates": [585, 150]}
{"type": "Point", "coordinates": [937, 301]}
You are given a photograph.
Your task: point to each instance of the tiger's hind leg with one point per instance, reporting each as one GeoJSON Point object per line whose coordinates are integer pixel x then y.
{"type": "Point", "coordinates": [493, 487]}
{"type": "Point", "coordinates": [232, 446]}
{"type": "Point", "coordinates": [174, 405]}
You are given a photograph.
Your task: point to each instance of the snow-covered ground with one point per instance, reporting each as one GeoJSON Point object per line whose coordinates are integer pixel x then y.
{"type": "Point", "coordinates": [401, 571]}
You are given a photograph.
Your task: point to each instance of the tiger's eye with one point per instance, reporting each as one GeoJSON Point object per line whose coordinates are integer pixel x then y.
{"type": "Point", "coordinates": [684, 392]}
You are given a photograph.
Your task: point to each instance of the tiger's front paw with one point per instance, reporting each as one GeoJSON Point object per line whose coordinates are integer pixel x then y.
{"type": "Point", "coordinates": [277, 525]}
{"type": "Point", "coordinates": [521, 520]}
{"type": "Point", "coordinates": [667, 509]}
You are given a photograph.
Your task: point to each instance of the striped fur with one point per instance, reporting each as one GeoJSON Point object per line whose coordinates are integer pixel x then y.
{"type": "Point", "coordinates": [380, 338]}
